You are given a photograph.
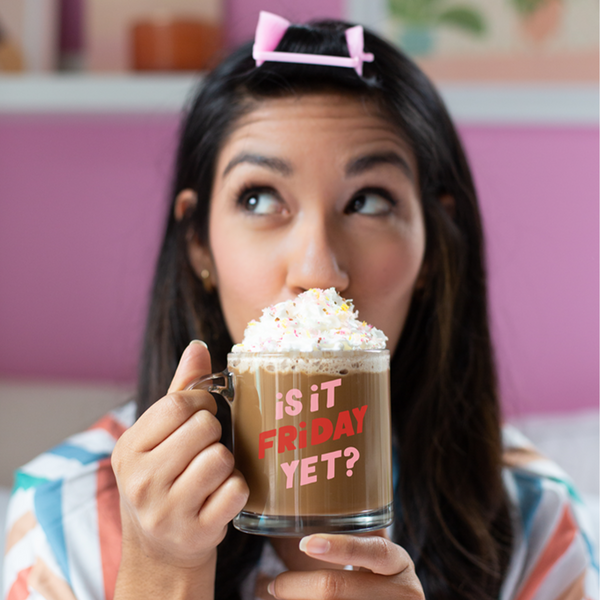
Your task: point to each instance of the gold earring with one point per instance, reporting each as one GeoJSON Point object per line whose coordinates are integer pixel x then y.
{"type": "Point", "coordinates": [206, 281]}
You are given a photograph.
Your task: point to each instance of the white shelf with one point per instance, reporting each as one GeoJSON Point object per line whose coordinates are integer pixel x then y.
{"type": "Point", "coordinates": [493, 104]}
{"type": "Point", "coordinates": [525, 104]}
{"type": "Point", "coordinates": [95, 93]}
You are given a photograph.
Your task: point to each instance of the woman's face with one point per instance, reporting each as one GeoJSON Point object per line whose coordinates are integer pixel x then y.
{"type": "Point", "coordinates": [316, 191]}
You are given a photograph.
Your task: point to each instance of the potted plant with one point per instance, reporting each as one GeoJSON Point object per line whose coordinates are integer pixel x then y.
{"type": "Point", "coordinates": [420, 18]}
{"type": "Point", "coordinates": [539, 18]}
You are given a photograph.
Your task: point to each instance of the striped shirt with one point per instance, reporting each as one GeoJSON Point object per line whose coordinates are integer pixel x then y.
{"type": "Point", "coordinates": [64, 530]}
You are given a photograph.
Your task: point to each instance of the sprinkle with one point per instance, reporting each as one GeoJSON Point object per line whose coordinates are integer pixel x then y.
{"type": "Point", "coordinates": [337, 328]}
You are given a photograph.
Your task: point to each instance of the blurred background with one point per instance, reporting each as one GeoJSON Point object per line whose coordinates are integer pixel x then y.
{"type": "Point", "coordinates": [91, 94]}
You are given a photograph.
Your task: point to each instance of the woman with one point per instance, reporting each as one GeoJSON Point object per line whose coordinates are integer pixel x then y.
{"type": "Point", "coordinates": [291, 176]}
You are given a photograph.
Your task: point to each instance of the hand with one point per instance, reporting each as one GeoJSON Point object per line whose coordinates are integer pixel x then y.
{"type": "Point", "coordinates": [386, 571]}
{"type": "Point", "coordinates": [178, 485]}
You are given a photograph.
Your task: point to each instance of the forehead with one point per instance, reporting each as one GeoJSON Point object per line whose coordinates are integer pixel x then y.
{"type": "Point", "coordinates": [338, 121]}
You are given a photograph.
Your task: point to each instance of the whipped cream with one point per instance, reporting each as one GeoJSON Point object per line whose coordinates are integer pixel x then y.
{"type": "Point", "coordinates": [315, 320]}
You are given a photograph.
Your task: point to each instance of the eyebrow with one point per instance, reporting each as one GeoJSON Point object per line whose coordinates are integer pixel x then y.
{"type": "Point", "coordinates": [274, 164]}
{"type": "Point", "coordinates": [355, 167]}
{"type": "Point", "coordinates": [369, 161]}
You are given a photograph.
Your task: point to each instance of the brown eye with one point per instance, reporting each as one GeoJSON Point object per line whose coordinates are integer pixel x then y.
{"type": "Point", "coordinates": [370, 203]}
{"type": "Point", "coordinates": [261, 202]}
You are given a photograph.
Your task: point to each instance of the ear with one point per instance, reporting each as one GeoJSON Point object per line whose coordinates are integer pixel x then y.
{"type": "Point", "coordinates": [202, 264]}
{"type": "Point", "coordinates": [199, 255]}
{"type": "Point", "coordinates": [449, 205]}
{"type": "Point", "coordinates": [186, 201]}
{"type": "Point", "coordinates": [422, 277]}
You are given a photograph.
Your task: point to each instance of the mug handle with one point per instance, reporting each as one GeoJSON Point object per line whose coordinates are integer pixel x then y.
{"type": "Point", "coordinates": [208, 384]}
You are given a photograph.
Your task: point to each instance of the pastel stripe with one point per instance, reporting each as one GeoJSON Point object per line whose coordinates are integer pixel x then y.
{"type": "Point", "coordinates": [51, 467]}
{"type": "Point", "coordinates": [80, 527]}
{"type": "Point", "coordinates": [21, 556]}
{"type": "Point", "coordinates": [118, 420]}
{"type": "Point", "coordinates": [110, 425]}
{"type": "Point", "coordinates": [109, 526]}
{"type": "Point", "coordinates": [21, 501]}
{"type": "Point", "coordinates": [561, 539]}
{"type": "Point", "coordinates": [25, 481]}
{"type": "Point", "coordinates": [126, 414]}
{"type": "Point", "coordinates": [545, 522]}
{"type": "Point", "coordinates": [567, 569]}
{"type": "Point", "coordinates": [48, 508]}
{"type": "Point", "coordinates": [521, 457]}
{"type": "Point", "coordinates": [19, 529]}
{"type": "Point", "coordinates": [591, 551]}
{"type": "Point", "coordinates": [48, 584]}
{"type": "Point", "coordinates": [592, 585]}
{"type": "Point", "coordinates": [519, 552]}
{"type": "Point", "coordinates": [529, 495]}
{"type": "Point", "coordinates": [551, 471]}
{"type": "Point", "coordinates": [96, 440]}
{"type": "Point", "coordinates": [586, 523]}
{"type": "Point", "coordinates": [20, 589]}
{"type": "Point", "coordinates": [77, 453]}
{"type": "Point", "coordinates": [576, 591]}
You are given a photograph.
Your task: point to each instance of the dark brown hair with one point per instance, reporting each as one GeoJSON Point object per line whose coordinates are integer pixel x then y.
{"type": "Point", "coordinates": [451, 508]}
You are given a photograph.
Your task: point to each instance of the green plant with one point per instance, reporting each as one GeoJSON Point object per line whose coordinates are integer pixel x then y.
{"type": "Point", "coordinates": [431, 13]}
{"type": "Point", "coordinates": [526, 7]}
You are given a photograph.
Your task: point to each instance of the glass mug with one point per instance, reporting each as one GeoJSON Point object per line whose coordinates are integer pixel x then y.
{"type": "Point", "coordinates": [312, 437]}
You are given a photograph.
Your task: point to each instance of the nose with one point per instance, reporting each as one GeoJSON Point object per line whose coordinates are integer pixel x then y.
{"type": "Point", "coordinates": [314, 254]}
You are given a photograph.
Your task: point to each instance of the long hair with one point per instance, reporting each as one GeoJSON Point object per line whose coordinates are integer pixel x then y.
{"type": "Point", "coordinates": [452, 512]}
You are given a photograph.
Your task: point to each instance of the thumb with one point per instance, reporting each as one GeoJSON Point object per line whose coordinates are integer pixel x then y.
{"type": "Point", "coordinates": [193, 364]}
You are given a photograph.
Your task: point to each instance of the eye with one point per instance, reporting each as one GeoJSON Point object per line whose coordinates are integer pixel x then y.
{"type": "Point", "coordinates": [261, 201]}
{"type": "Point", "coordinates": [371, 203]}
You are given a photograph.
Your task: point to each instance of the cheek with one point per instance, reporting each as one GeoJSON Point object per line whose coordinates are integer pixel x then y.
{"type": "Point", "coordinates": [231, 274]}
{"type": "Point", "coordinates": [394, 268]}
{"type": "Point", "coordinates": [244, 279]}
{"type": "Point", "coordinates": [389, 277]}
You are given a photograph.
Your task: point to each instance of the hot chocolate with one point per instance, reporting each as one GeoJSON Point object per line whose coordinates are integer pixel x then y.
{"type": "Point", "coordinates": [311, 415]}
{"type": "Point", "coordinates": [312, 432]}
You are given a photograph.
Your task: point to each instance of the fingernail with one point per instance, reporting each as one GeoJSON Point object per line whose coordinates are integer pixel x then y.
{"type": "Point", "coordinates": [199, 342]}
{"type": "Point", "coordinates": [314, 545]}
{"type": "Point", "coordinates": [271, 589]}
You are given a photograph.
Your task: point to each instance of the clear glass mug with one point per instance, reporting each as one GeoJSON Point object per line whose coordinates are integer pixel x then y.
{"type": "Point", "coordinates": [312, 437]}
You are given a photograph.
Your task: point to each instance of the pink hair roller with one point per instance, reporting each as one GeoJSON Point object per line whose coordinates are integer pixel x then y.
{"type": "Point", "coordinates": [271, 28]}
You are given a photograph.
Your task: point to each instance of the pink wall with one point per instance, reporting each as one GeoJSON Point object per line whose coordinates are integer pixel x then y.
{"type": "Point", "coordinates": [241, 15]}
{"type": "Point", "coordinates": [81, 207]}
{"type": "Point", "coordinates": [539, 195]}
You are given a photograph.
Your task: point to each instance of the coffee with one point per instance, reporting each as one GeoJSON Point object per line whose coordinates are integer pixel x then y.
{"type": "Point", "coordinates": [312, 432]}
